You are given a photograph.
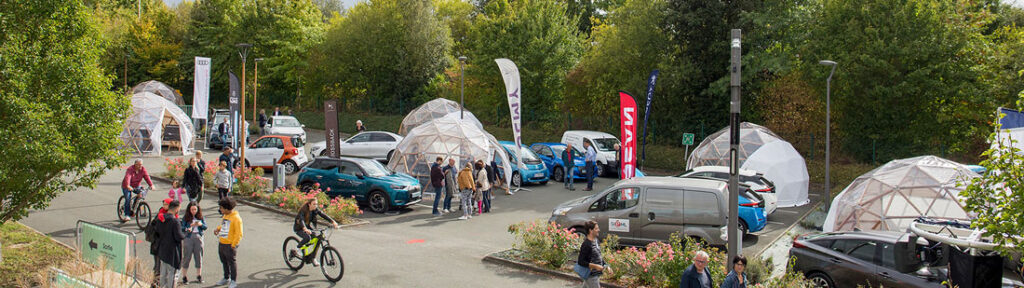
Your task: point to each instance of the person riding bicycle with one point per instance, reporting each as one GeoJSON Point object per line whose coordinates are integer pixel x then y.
{"type": "Point", "coordinates": [305, 223]}
{"type": "Point", "coordinates": [132, 180]}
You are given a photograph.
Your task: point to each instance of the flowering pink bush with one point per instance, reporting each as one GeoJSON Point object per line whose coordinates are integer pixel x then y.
{"type": "Point", "coordinates": [211, 169]}
{"type": "Point", "coordinates": [545, 242]}
{"type": "Point", "coordinates": [250, 181]}
{"type": "Point", "coordinates": [340, 209]}
{"type": "Point", "coordinates": [175, 168]}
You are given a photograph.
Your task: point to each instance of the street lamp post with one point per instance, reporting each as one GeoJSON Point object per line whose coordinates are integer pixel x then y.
{"type": "Point", "coordinates": [243, 51]}
{"type": "Point", "coordinates": [462, 88]}
{"type": "Point", "coordinates": [255, 87]}
{"type": "Point", "coordinates": [828, 129]}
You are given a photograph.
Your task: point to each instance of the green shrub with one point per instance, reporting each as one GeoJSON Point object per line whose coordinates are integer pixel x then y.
{"type": "Point", "coordinates": [544, 242]}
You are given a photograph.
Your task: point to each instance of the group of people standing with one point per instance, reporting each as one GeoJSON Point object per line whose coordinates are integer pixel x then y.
{"type": "Point", "coordinates": [474, 183]}
{"type": "Point", "coordinates": [589, 168]}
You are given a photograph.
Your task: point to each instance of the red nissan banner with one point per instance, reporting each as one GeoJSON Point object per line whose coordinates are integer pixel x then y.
{"type": "Point", "coordinates": [628, 115]}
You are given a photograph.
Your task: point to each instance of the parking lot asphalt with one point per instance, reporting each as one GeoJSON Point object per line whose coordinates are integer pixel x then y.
{"type": "Point", "coordinates": [410, 248]}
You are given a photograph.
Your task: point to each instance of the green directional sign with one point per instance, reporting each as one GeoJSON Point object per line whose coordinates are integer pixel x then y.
{"type": "Point", "coordinates": [687, 139]}
{"type": "Point", "coordinates": [63, 280]}
{"type": "Point", "coordinates": [97, 242]}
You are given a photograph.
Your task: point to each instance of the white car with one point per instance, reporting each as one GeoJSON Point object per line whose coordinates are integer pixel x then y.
{"type": "Point", "coordinates": [378, 145]}
{"type": "Point", "coordinates": [751, 178]}
{"type": "Point", "coordinates": [285, 125]}
{"type": "Point", "coordinates": [603, 143]}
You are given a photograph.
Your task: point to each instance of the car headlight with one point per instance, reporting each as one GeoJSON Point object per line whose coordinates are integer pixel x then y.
{"type": "Point", "coordinates": [561, 211]}
{"type": "Point", "coordinates": [398, 187]}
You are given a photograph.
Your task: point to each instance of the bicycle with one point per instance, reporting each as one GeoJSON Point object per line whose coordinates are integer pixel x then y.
{"type": "Point", "coordinates": [329, 256]}
{"type": "Point", "coordinates": [139, 206]}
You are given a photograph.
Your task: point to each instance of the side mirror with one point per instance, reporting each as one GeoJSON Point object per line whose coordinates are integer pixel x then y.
{"type": "Point", "coordinates": [360, 175]}
{"type": "Point", "coordinates": [303, 125]}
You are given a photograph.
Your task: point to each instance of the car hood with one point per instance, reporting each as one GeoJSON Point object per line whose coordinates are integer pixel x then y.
{"type": "Point", "coordinates": [398, 178]}
{"type": "Point", "coordinates": [289, 130]}
{"type": "Point", "coordinates": [574, 202]}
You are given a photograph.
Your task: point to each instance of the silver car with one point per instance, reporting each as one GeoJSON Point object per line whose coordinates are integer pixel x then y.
{"type": "Point", "coordinates": [377, 145]}
{"type": "Point", "coordinates": [649, 209]}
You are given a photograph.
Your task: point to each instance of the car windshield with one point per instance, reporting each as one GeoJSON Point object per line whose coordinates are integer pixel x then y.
{"type": "Point", "coordinates": [526, 153]}
{"type": "Point", "coordinates": [286, 122]}
{"type": "Point", "coordinates": [373, 168]}
{"type": "Point", "coordinates": [605, 144]}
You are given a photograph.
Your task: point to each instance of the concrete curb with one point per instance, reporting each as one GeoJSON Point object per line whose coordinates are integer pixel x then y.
{"type": "Point", "coordinates": [784, 233]}
{"type": "Point", "coordinates": [261, 206]}
{"type": "Point", "coordinates": [48, 237]}
{"type": "Point", "coordinates": [533, 268]}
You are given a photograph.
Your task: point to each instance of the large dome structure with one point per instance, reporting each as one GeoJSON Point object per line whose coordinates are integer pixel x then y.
{"type": "Point", "coordinates": [436, 109]}
{"type": "Point", "coordinates": [446, 138]}
{"type": "Point", "coordinates": [890, 197]}
{"type": "Point", "coordinates": [763, 151]}
{"type": "Point", "coordinates": [156, 122]}
{"type": "Point", "coordinates": [160, 89]}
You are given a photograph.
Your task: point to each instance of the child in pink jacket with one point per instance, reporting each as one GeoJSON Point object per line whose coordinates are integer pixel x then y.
{"type": "Point", "coordinates": [177, 191]}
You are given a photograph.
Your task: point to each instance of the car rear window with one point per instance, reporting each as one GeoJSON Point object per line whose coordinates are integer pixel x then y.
{"type": "Point", "coordinates": [297, 142]}
{"type": "Point", "coordinates": [381, 137]}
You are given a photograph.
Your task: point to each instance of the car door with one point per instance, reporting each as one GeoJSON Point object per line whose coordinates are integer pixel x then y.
{"type": "Point", "coordinates": [379, 145]}
{"type": "Point", "coordinates": [548, 156]}
{"type": "Point", "coordinates": [853, 262]}
{"type": "Point", "coordinates": [260, 152]}
{"type": "Point", "coordinates": [326, 173]}
{"type": "Point", "coordinates": [616, 211]}
{"type": "Point", "coordinates": [356, 146]}
{"type": "Point", "coordinates": [347, 181]}
{"type": "Point", "coordinates": [887, 274]}
{"type": "Point", "coordinates": [660, 214]}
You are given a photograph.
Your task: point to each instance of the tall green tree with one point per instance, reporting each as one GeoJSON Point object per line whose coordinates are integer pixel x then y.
{"type": "Point", "coordinates": [541, 38]}
{"type": "Point", "coordinates": [56, 107]}
{"type": "Point", "coordinates": [381, 54]}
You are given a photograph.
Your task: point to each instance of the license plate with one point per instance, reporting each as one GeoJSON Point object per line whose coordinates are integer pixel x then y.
{"type": "Point", "coordinates": [538, 175]}
{"type": "Point", "coordinates": [416, 194]}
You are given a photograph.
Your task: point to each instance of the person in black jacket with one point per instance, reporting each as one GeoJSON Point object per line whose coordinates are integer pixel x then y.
{"type": "Point", "coordinates": [170, 244]}
{"type": "Point", "coordinates": [228, 158]}
{"type": "Point", "coordinates": [305, 223]}
{"type": "Point", "coordinates": [263, 121]}
{"type": "Point", "coordinates": [570, 167]}
{"type": "Point", "coordinates": [193, 179]}
{"type": "Point", "coordinates": [437, 182]}
{"type": "Point", "coordinates": [590, 256]}
{"type": "Point", "coordinates": [491, 178]}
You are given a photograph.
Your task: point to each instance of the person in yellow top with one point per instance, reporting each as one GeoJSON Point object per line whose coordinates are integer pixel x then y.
{"type": "Point", "coordinates": [466, 188]}
{"type": "Point", "coordinates": [230, 234]}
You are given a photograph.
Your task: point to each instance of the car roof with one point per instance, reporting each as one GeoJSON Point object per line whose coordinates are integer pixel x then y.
{"type": "Point", "coordinates": [892, 236]}
{"type": "Point", "coordinates": [590, 134]}
{"type": "Point", "coordinates": [674, 182]}
{"type": "Point", "coordinates": [347, 158]}
{"type": "Point", "coordinates": [713, 168]}
{"type": "Point", "coordinates": [548, 144]}
{"type": "Point", "coordinates": [385, 132]}
{"type": "Point", "coordinates": [283, 116]}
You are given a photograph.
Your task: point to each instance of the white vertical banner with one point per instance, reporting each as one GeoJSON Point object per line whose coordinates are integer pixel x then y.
{"type": "Point", "coordinates": [201, 88]}
{"type": "Point", "coordinates": [510, 73]}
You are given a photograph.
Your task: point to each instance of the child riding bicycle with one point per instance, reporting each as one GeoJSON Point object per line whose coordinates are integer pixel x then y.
{"type": "Point", "coordinates": [305, 223]}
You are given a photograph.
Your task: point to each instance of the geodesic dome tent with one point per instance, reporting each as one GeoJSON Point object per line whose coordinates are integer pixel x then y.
{"type": "Point", "coordinates": [890, 197]}
{"type": "Point", "coordinates": [161, 89]}
{"type": "Point", "coordinates": [763, 151]}
{"type": "Point", "coordinates": [155, 122]}
{"type": "Point", "coordinates": [435, 109]}
{"type": "Point", "coordinates": [445, 138]}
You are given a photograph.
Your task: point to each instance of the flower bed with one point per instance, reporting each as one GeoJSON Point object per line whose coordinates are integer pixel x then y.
{"type": "Point", "coordinates": [290, 199]}
{"type": "Point", "coordinates": [175, 168]}
{"type": "Point", "coordinates": [658, 264]}
{"type": "Point", "coordinates": [249, 180]}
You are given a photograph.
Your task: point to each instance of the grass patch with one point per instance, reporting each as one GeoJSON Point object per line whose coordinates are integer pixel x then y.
{"type": "Point", "coordinates": [843, 173]}
{"type": "Point", "coordinates": [27, 254]}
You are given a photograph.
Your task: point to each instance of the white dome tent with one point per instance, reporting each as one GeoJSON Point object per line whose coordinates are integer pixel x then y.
{"type": "Point", "coordinates": [435, 109]}
{"type": "Point", "coordinates": [890, 197]}
{"type": "Point", "coordinates": [160, 89]}
{"type": "Point", "coordinates": [763, 151]}
{"type": "Point", "coordinates": [154, 122]}
{"type": "Point", "coordinates": [446, 138]}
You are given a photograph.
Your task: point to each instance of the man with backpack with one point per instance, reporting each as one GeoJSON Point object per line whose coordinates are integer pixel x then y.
{"type": "Point", "coordinates": [153, 237]}
{"type": "Point", "coordinates": [171, 236]}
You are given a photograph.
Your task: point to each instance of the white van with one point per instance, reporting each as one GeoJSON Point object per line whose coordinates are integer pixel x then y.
{"type": "Point", "coordinates": [604, 144]}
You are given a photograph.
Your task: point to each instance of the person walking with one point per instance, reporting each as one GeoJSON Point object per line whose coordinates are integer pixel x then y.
{"type": "Point", "coordinates": [228, 158]}
{"type": "Point", "coordinates": [482, 185]}
{"type": "Point", "coordinates": [223, 181]}
{"type": "Point", "coordinates": [589, 260]}
{"type": "Point", "coordinates": [590, 157]}
{"type": "Point", "coordinates": [199, 161]}
{"type": "Point", "coordinates": [466, 186]}
{"type": "Point", "coordinates": [177, 193]}
{"type": "Point", "coordinates": [169, 253]}
{"type": "Point", "coordinates": [133, 177]}
{"type": "Point", "coordinates": [263, 121]}
{"type": "Point", "coordinates": [229, 234]}
{"type": "Point", "coordinates": [193, 225]}
{"type": "Point", "coordinates": [224, 129]}
{"type": "Point", "coordinates": [737, 278]}
{"type": "Point", "coordinates": [570, 167]}
{"type": "Point", "coordinates": [193, 179]}
{"type": "Point", "coordinates": [152, 234]}
{"type": "Point", "coordinates": [492, 179]}
{"type": "Point", "coordinates": [360, 127]}
{"type": "Point", "coordinates": [697, 275]}
{"type": "Point", "coordinates": [437, 182]}
{"type": "Point", "coordinates": [451, 185]}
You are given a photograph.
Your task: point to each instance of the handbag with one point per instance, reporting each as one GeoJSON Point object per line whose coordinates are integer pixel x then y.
{"type": "Point", "coordinates": [583, 272]}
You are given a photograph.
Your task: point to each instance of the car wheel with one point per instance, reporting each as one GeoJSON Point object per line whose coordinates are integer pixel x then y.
{"type": "Point", "coordinates": [247, 165]}
{"type": "Point", "coordinates": [517, 180]}
{"type": "Point", "coordinates": [388, 159]}
{"type": "Point", "coordinates": [599, 170]}
{"type": "Point", "coordinates": [379, 202]}
{"type": "Point", "coordinates": [290, 167]}
{"type": "Point", "coordinates": [743, 229]}
{"type": "Point", "coordinates": [820, 280]}
{"type": "Point", "coordinates": [323, 152]}
{"type": "Point", "coordinates": [305, 187]}
{"type": "Point", "coordinates": [558, 174]}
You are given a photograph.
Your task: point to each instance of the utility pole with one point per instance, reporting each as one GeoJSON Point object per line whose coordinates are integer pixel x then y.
{"type": "Point", "coordinates": [735, 242]}
{"type": "Point", "coordinates": [462, 88]}
{"type": "Point", "coordinates": [243, 51]}
{"type": "Point", "coordinates": [828, 131]}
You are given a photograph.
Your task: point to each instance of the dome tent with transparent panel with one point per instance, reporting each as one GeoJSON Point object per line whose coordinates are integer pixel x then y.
{"type": "Point", "coordinates": [446, 138]}
{"type": "Point", "coordinates": [891, 196]}
{"type": "Point", "coordinates": [436, 109]}
{"type": "Point", "coordinates": [160, 89]}
{"type": "Point", "coordinates": [763, 151]}
{"type": "Point", "coordinates": [154, 122]}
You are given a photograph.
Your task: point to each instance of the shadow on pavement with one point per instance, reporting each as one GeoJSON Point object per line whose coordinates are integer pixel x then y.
{"type": "Point", "coordinates": [280, 277]}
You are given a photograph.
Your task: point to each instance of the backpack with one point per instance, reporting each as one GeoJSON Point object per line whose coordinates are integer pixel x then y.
{"type": "Point", "coordinates": [151, 234]}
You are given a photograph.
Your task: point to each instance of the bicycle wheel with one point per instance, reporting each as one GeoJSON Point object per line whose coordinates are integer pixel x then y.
{"type": "Point", "coordinates": [293, 261]}
{"type": "Point", "coordinates": [331, 264]}
{"type": "Point", "coordinates": [143, 215]}
{"type": "Point", "coordinates": [120, 209]}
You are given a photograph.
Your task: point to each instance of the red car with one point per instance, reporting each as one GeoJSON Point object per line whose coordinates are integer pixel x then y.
{"type": "Point", "coordinates": [276, 149]}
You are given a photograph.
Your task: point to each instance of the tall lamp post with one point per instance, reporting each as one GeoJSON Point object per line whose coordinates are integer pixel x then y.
{"type": "Point", "coordinates": [243, 51]}
{"type": "Point", "coordinates": [828, 129]}
{"type": "Point", "coordinates": [462, 88]}
{"type": "Point", "coordinates": [255, 87]}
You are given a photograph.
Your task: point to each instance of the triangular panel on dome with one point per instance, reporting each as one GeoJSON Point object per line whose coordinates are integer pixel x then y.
{"type": "Point", "coordinates": [160, 89]}
{"type": "Point", "coordinates": [436, 109]}
{"type": "Point", "coordinates": [155, 122]}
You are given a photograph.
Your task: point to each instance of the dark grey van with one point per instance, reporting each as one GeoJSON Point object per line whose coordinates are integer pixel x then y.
{"type": "Point", "coordinates": [649, 209]}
